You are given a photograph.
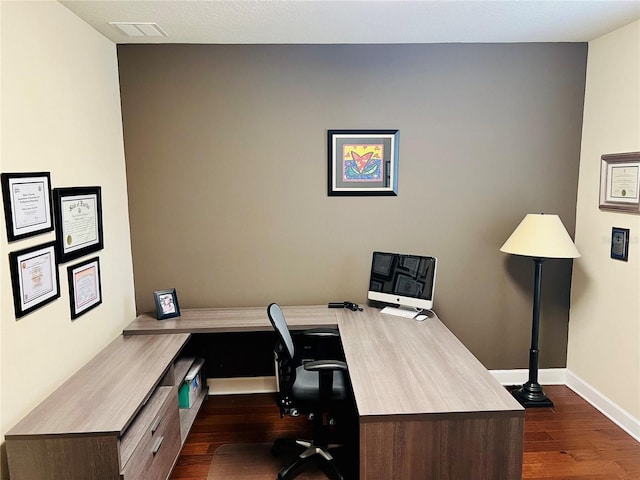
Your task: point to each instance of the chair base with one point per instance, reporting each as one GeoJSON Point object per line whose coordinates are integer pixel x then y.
{"type": "Point", "coordinates": [309, 453]}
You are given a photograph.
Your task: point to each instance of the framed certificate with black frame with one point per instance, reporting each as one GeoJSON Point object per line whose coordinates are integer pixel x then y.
{"type": "Point", "coordinates": [85, 292]}
{"type": "Point", "coordinates": [78, 213]}
{"type": "Point", "coordinates": [34, 278]}
{"type": "Point", "coordinates": [27, 204]}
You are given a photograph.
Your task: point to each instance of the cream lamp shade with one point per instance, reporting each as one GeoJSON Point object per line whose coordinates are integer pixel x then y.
{"type": "Point", "coordinates": [541, 236]}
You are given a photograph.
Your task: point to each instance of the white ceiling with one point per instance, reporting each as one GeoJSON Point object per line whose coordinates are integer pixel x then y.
{"type": "Point", "coordinates": [360, 21]}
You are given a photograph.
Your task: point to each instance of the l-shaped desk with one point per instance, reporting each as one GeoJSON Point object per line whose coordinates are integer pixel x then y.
{"type": "Point", "coordinates": [427, 407]}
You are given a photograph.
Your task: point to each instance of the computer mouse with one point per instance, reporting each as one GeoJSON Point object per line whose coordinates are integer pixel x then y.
{"type": "Point", "coordinates": [421, 317]}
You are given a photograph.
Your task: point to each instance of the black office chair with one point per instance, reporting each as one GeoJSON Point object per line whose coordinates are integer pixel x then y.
{"type": "Point", "coordinates": [315, 387]}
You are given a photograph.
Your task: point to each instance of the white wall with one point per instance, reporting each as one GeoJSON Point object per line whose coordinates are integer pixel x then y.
{"type": "Point", "coordinates": [61, 114]}
{"type": "Point", "coordinates": [604, 327]}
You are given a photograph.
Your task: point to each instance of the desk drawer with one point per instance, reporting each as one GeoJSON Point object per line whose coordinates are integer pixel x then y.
{"type": "Point", "coordinates": [159, 446]}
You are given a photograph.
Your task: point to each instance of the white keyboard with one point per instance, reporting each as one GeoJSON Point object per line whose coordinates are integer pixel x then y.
{"type": "Point", "coordinates": [399, 312]}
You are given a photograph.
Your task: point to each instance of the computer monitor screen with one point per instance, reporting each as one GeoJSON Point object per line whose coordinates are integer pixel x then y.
{"type": "Point", "coordinates": [403, 280]}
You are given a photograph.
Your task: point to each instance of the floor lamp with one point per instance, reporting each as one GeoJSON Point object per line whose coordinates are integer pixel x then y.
{"type": "Point", "coordinates": [539, 236]}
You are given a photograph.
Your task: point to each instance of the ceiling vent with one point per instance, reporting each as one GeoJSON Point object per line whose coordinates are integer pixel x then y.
{"type": "Point", "coordinates": [139, 29]}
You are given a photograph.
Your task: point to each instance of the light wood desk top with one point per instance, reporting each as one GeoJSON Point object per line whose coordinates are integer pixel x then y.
{"type": "Point", "coordinates": [399, 366]}
{"type": "Point", "coordinates": [416, 387]}
{"type": "Point", "coordinates": [118, 388]}
{"type": "Point", "coordinates": [240, 319]}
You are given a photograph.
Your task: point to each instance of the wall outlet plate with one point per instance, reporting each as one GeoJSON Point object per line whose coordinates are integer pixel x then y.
{"type": "Point", "coordinates": [620, 243]}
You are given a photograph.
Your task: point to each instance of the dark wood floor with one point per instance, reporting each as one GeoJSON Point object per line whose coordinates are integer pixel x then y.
{"type": "Point", "coordinates": [572, 441]}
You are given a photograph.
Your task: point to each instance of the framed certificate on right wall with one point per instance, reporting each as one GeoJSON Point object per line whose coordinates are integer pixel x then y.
{"type": "Point", "coordinates": [620, 182]}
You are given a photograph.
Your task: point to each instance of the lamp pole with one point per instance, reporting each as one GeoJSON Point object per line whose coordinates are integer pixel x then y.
{"type": "Point", "coordinates": [531, 393]}
{"type": "Point", "coordinates": [538, 236]}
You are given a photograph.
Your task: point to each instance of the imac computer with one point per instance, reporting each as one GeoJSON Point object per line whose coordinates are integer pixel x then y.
{"type": "Point", "coordinates": [405, 281]}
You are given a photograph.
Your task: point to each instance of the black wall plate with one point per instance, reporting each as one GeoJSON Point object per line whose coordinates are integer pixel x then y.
{"type": "Point", "coordinates": [620, 243]}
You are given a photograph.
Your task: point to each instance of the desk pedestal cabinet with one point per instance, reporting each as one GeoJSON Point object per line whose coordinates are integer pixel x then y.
{"type": "Point", "coordinates": [442, 448]}
{"type": "Point", "coordinates": [116, 418]}
{"type": "Point", "coordinates": [428, 408]}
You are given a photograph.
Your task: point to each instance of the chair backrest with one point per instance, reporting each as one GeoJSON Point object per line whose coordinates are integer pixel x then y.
{"type": "Point", "coordinates": [284, 356]}
{"type": "Point", "coordinates": [280, 325]}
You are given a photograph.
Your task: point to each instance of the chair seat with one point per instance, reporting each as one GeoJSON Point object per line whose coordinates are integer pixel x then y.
{"type": "Point", "coordinates": [306, 386]}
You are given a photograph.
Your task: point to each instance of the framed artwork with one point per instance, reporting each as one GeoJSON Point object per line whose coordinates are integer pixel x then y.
{"type": "Point", "coordinates": [27, 204]}
{"type": "Point", "coordinates": [166, 304]}
{"type": "Point", "coordinates": [620, 182]}
{"type": "Point", "coordinates": [620, 243]}
{"type": "Point", "coordinates": [34, 277]}
{"type": "Point", "coordinates": [78, 214]}
{"type": "Point", "coordinates": [363, 162]}
{"type": "Point", "coordinates": [85, 291]}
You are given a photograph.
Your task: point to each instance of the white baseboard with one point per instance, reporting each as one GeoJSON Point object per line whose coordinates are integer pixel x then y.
{"type": "Point", "coordinates": [610, 409]}
{"type": "Point", "coordinates": [546, 376]}
{"type": "Point", "coordinates": [230, 386]}
{"type": "Point", "coordinates": [563, 376]}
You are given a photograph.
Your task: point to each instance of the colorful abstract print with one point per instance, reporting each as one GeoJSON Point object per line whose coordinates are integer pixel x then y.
{"type": "Point", "coordinates": [362, 162]}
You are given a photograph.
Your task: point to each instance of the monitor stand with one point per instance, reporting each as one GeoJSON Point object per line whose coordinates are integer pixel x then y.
{"type": "Point", "coordinates": [400, 311]}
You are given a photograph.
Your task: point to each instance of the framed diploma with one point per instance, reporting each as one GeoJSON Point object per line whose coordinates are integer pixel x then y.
{"type": "Point", "coordinates": [363, 162]}
{"type": "Point", "coordinates": [166, 304]}
{"type": "Point", "coordinates": [85, 290]}
{"type": "Point", "coordinates": [27, 204]}
{"type": "Point", "coordinates": [620, 182]}
{"type": "Point", "coordinates": [78, 214]}
{"type": "Point", "coordinates": [34, 278]}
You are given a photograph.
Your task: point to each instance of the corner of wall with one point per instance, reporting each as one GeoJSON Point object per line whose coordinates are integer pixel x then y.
{"type": "Point", "coordinates": [60, 114]}
{"type": "Point", "coordinates": [605, 307]}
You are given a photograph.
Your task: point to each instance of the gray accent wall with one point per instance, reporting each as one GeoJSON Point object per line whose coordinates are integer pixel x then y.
{"type": "Point", "coordinates": [226, 162]}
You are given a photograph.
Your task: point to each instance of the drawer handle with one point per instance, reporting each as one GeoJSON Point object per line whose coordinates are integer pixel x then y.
{"type": "Point", "coordinates": [156, 446]}
{"type": "Point", "coordinates": [155, 425]}
{"type": "Point", "coordinates": [146, 399]}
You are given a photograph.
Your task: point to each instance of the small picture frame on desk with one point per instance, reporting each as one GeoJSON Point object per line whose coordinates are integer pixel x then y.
{"type": "Point", "coordinates": [166, 304]}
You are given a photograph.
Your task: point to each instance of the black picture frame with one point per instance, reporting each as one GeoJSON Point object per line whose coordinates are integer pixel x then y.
{"type": "Point", "coordinates": [363, 162]}
{"type": "Point", "coordinates": [85, 286]}
{"type": "Point", "coordinates": [166, 303]}
{"type": "Point", "coordinates": [34, 278]}
{"type": "Point", "coordinates": [620, 243]}
{"type": "Point", "coordinates": [78, 214]}
{"type": "Point", "coordinates": [27, 204]}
